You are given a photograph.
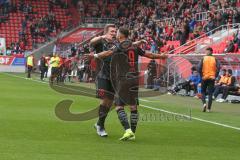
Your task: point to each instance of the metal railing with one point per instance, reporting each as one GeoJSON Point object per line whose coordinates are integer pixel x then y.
{"type": "Point", "coordinates": [200, 16]}
{"type": "Point", "coordinates": [203, 16]}
{"type": "Point", "coordinates": [94, 20]}
{"type": "Point", "coordinates": [167, 21]}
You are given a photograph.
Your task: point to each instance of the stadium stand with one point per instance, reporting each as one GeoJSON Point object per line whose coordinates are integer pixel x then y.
{"type": "Point", "coordinates": [150, 19]}
{"type": "Point", "coordinates": [28, 22]}
{"type": "Point", "coordinates": [177, 27]}
{"type": "Point", "coordinates": [166, 24]}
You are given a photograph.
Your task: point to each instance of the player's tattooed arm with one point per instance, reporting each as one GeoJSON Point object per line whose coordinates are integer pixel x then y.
{"type": "Point", "coordinates": [155, 56]}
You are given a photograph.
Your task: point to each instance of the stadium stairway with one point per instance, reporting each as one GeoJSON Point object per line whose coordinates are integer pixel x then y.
{"type": "Point", "coordinates": [218, 40]}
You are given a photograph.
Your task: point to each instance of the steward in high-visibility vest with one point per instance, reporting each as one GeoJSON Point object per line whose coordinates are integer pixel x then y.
{"type": "Point", "coordinates": [30, 60]}
{"type": "Point", "coordinates": [30, 65]}
{"type": "Point", "coordinates": [209, 68]}
{"type": "Point", "coordinates": [54, 62]}
{"type": "Point", "coordinates": [224, 80]}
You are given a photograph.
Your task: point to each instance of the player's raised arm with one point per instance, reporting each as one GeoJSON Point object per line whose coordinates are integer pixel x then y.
{"type": "Point", "coordinates": [155, 56]}
{"type": "Point", "coordinates": [99, 55]}
{"type": "Point", "coordinates": [137, 43]}
{"type": "Point", "coordinates": [103, 54]}
{"type": "Point", "coordinates": [95, 40]}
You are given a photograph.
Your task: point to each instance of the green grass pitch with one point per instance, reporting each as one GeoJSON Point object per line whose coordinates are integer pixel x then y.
{"type": "Point", "coordinates": [30, 130]}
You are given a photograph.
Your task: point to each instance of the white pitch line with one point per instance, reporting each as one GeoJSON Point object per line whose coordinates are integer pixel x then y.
{"type": "Point", "coordinates": [12, 75]}
{"type": "Point", "coordinates": [44, 82]}
{"type": "Point", "coordinates": [156, 109]}
{"type": "Point", "coordinates": [190, 117]}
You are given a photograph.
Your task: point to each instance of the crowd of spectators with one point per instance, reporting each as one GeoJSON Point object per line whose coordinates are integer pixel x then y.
{"type": "Point", "coordinates": [148, 19]}
{"type": "Point", "coordinates": [184, 26]}
{"type": "Point", "coordinates": [41, 29]}
{"type": "Point", "coordinates": [44, 26]}
{"type": "Point", "coordinates": [26, 8]}
{"type": "Point", "coordinates": [5, 8]}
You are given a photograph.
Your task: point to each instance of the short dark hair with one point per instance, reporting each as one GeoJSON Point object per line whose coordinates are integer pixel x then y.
{"type": "Point", "coordinates": [106, 28]}
{"type": "Point", "coordinates": [194, 68]}
{"type": "Point", "coordinates": [229, 71]}
{"type": "Point", "coordinates": [124, 31]}
{"type": "Point", "coordinates": [210, 49]}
